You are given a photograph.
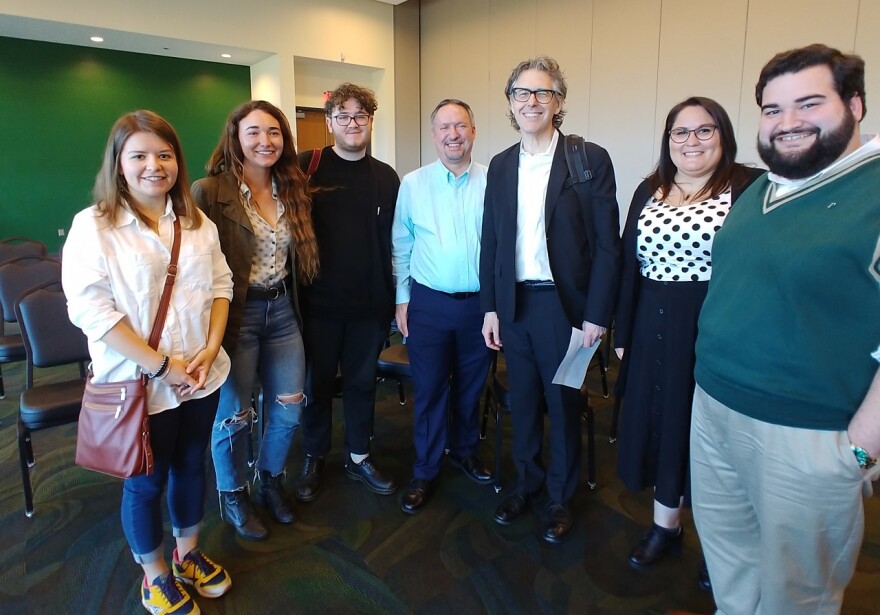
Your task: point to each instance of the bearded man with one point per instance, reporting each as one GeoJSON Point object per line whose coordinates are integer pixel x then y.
{"type": "Point", "coordinates": [786, 417]}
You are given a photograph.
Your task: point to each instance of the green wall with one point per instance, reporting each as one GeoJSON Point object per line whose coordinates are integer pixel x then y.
{"type": "Point", "coordinates": [57, 105]}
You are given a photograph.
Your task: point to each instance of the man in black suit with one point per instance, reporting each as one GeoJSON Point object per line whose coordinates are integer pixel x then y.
{"type": "Point", "coordinates": [549, 262]}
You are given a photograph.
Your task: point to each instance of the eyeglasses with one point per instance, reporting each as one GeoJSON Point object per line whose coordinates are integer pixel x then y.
{"type": "Point", "coordinates": [524, 94]}
{"type": "Point", "coordinates": [703, 133]}
{"type": "Point", "coordinates": [345, 120]}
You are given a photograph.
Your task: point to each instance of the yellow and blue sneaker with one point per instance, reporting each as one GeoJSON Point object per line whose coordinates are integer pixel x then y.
{"type": "Point", "coordinates": [209, 579]}
{"type": "Point", "coordinates": [166, 596]}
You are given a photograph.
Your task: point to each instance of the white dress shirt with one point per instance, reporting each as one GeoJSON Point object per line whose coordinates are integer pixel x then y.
{"type": "Point", "coordinates": [532, 261]}
{"type": "Point", "coordinates": [114, 273]}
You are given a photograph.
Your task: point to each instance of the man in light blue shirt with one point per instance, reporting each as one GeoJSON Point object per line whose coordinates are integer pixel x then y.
{"type": "Point", "coordinates": [436, 254]}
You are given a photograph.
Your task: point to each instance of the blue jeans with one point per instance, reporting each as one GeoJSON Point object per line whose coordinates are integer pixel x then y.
{"type": "Point", "coordinates": [269, 346]}
{"type": "Point", "coordinates": [179, 437]}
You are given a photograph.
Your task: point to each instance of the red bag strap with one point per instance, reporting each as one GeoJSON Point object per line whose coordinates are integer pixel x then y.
{"type": "Point", "coordinates": [159, 323]}
{"type": "Point", "coordinates": [313, 163]}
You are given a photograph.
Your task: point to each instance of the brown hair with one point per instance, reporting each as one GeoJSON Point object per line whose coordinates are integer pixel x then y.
{"type": "Point", "coordinates": [365, 96]}
{"type": "Point", "coordinates": [290, 181]}
{"type": "Point", "coordinates": [111, 190]}
{"type": "Point", "coordinates": [727, 173]}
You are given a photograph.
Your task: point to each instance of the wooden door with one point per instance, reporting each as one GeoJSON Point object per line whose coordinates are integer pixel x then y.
{"type": "Point", "coordinates": [311, 129]}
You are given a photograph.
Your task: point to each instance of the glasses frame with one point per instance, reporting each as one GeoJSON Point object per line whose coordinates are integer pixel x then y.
{"type": "Point", "coordinates": [694, 131]}
{"type": "Point", "coordinates": [350, 118]}
{"type": "Point", "coordinates": [553, 94]}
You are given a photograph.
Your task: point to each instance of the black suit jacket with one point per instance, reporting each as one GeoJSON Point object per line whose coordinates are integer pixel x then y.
{"type": "Point", "coordinates": [582, 231]}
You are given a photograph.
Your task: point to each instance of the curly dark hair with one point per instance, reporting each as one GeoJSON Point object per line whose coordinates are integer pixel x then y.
{"type": "Point", "coordinates": [365, 96]}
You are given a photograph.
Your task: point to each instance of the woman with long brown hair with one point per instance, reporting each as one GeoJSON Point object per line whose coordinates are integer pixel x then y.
{"type": "Point", "coordinates": [258, 197]}
{"type": "Point", "coordinates": [115, 252]}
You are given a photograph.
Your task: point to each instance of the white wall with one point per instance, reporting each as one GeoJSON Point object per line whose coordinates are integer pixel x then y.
{"type": "Point", "coordinates": [347, 33]}
{"type": "Point", "coordinates": [627, 62]}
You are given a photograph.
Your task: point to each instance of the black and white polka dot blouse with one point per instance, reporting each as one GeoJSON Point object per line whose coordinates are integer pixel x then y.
{"type": "Point", "coordinates": [675, 242]}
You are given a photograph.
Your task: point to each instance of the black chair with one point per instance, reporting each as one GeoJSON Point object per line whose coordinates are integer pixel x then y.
{"type": "Point", "coordinates": [18, 274]}
{"type": "Point", "coordinates": [497, 398]}
{"type": "Point", "coordinates": [12, 247]}
{"type": "Point", "coordinates": [50, 339]}
{"type": "Point", "coordinates": [393, 363]}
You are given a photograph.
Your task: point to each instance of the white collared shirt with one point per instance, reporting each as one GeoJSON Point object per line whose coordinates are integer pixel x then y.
{"type": "Point", "coordinates": [532, 261]}
{"type": "Point", "coordinates": [114, 273]}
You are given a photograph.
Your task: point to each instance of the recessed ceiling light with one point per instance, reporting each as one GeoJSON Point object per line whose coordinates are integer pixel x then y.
{"type": "Point", "coordinates": [225, 55]}
{"type": "Point", "coordinates": [97, 39]}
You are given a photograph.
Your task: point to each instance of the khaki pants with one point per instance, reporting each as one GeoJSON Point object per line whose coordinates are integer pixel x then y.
{"type": "Point", "coordinates": [779, 511]}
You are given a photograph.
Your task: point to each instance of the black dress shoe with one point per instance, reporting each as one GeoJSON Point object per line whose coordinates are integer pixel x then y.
{"type": "Point", "coordinates": [274, 498]}
{"type": "Point", "coordinates": [417, 494]}
{"type": "Point", "coordinates": [511, 508]}
{"type": "Point", "coordinates": [472, 467]}
{"type": "Point", "coordinates": [309, 481]}
{"type": "Point", "coordinates": [558, 523]}
{"type": "Point", "coordinates": [236, 509]}
{"type": "Point", "coordinates": [370, 475]}
{"type": "Point", "coordinates": [656, 544]}
{"type": "Point", "coordinates": [703, 580]}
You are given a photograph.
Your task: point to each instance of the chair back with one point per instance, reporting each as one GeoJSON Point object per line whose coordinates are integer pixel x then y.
{"type": "Point", "coordinates": [22, 273]}
{"type": "Point", "coordinates": [12, 247]}
{"type": "Point", "coordinates": [50, 338]}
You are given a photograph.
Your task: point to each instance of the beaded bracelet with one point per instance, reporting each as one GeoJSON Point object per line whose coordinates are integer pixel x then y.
{"type": "Point", "coordinates": [162, 368]}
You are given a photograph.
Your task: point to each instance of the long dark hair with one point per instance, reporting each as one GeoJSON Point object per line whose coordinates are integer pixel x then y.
{"type": "Point", "coordinates": [290, 181]}
{"type": "Point", "coordinates": [727, 174]}
{"type": "Point", "coordinates": [110, 191]}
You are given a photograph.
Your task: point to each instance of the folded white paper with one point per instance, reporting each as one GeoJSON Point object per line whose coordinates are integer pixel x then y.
{"type": "Point", "coordinates": [573, 367]}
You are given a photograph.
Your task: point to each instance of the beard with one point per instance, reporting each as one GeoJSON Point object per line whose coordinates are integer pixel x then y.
{"type": "Point", "coordinates": [827, 148]}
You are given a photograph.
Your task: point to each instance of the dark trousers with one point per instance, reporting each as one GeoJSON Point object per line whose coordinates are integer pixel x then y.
{"type": "Point", "coordinates": [449, 362]}
{"type": "Point", "coordinates": [534, 344]}
{"type": "Point", "coordinates": [350, 347]}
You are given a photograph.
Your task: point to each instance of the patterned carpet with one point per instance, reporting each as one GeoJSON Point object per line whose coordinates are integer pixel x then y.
{"type": "Point", "coordinates": [351, 551]}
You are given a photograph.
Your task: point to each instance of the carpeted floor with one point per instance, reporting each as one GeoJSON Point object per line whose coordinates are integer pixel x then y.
{"type": "Point", "coordinates": [351, 551]}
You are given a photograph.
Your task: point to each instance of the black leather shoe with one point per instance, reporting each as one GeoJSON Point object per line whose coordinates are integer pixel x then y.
{"type": "Point", "coordinates": [237, 511]}
{"type": "Point", "coordinates": [472, 467]}
{"type": "Point", "coordinates": [703, 580]}
{"type": "Point", "coordinates": [274, 498]}
{"type": "Point", "coordinates": [417, 494]}
{"type": "Point", "coordinates": [558, 523]}
{"type": "Point", "coordinates": [309, 481]}
{"type": "Point", "coordinates": [511, 508]}
{"type": "Point", "coordinates": [370, 475]}
{"type": "Point", "coordinates": [656, 544]}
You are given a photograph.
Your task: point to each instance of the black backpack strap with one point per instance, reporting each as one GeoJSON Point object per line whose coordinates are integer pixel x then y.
{"type": "Point", "coordinates": [576, 158]}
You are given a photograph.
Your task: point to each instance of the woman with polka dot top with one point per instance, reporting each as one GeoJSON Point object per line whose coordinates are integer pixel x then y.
{"type": "Point", "coordinates": [258, 197]}
{"type": "Point", "coordinates": [667, 262]}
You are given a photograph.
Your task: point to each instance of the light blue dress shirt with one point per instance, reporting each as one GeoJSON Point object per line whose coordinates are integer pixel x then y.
{"type": "Point", "coordinates": [437, 229]}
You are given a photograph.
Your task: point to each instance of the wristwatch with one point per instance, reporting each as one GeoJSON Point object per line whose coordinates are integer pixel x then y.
{"type": "Point", "coordinates": [865, 460]}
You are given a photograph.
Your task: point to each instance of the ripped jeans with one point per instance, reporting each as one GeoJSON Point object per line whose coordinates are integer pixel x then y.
{"type": "Point", "coordinates": [269, 346]}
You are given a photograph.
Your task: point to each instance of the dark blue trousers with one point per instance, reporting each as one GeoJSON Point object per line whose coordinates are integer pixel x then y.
{"type": "Point", "coordinates": [449, 362]}
{"type": "Point", "coordinates": [534, 345]}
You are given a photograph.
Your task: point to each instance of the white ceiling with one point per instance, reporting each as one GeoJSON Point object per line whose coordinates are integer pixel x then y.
{"type": "Point", "coordinates": [72, 34]}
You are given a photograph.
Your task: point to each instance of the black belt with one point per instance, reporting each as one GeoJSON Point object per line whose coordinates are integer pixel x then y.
{"type": "Point", "coordinates": [263, 293]}
{"type": "Point", "coordinates": [460, 295]}
{"type": "Point", "coordinates": [536, 284]}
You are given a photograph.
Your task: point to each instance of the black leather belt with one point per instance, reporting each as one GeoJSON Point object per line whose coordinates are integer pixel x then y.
{"type": "Point", "coordinates": [536, 284]}
{"type": "Point", "coordinates": [263, 293]}
{"type": "Point", "coordinates": [460, 295]}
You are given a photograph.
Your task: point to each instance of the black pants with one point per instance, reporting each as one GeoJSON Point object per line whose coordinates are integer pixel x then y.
{"type": "Point", "coordinates": [350, 347]}
{"type": "Point", "coordinates": [534, 345]}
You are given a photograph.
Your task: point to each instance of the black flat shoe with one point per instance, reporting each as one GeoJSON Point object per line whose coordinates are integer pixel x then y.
{"type": "Point", "coordinates": [370, 475]}
{"type": "Point", "coordinates": [511, 508]}
{"type": "Point", "coordinates": [558, 523]}
{"type": "Point", "coordinates": [656, 544]}
{"type": "Point", "coordinates": [703, 580]}
{"type": "Point", "coordinates": [472, 467]}
{"type": "Point", "coordinates": [417, 494]}
{"type": "Point", "coordinates": [309, 481]}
